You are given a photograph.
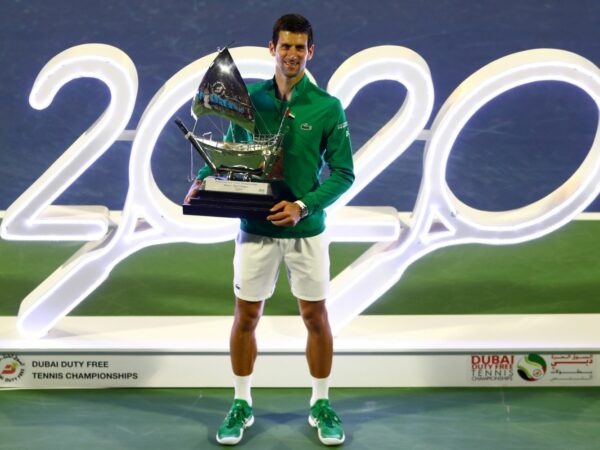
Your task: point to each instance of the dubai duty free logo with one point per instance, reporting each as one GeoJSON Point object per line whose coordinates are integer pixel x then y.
{"type": "Point", "coordinates": [532, 367]}
{"type": "Point", "coordinates": [11, 368]}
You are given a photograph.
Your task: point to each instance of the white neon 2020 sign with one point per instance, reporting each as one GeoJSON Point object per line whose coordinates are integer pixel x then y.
{"type": "Point", "coordinates": [150, 218]}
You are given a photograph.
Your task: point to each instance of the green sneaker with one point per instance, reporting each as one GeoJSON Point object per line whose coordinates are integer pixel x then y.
{"type": "Point", "coordinates": [238, 418]}
{"type": "Point", "coordinates": [329, 425]}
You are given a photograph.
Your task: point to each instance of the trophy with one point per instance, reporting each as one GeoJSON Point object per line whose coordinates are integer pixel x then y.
{"type": "Point", "coordinates": [243, 183]}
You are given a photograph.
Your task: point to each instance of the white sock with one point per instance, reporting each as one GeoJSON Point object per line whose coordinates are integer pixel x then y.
{"type": "Point", "coordinates": [320, 389]}
{"type": "Point", "coordinates": [242, 387]}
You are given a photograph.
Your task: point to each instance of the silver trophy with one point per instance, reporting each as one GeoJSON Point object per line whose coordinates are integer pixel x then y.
{"type": "Point", "coordinates": [244, 182]}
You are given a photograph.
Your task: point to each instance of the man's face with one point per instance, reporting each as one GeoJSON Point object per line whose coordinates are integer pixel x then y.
{"type": "Point", "coordinates": [291, 53]}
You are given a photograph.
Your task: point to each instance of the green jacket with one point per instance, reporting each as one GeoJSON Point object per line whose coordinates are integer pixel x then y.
{"type": "Point", "coordinates": [317, 134]}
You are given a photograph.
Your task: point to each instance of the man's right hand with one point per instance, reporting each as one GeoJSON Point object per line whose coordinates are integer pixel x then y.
{"type": "Point", "coordinates": [193, 192]}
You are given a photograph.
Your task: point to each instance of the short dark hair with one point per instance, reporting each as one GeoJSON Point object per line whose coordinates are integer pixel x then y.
{"type": "Point", "coordinates": [294, 23]}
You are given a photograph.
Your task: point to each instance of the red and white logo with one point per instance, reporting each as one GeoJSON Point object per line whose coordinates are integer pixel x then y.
{"type": "Point", "coordinates": [11, 368]}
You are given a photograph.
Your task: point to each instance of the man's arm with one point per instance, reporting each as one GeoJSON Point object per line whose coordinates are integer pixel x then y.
{"type": "Point", "coordinates": [338, 156]}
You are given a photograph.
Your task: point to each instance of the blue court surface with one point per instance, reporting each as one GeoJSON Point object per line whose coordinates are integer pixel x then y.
{"type": "Point", "coordinates": [392, 419]}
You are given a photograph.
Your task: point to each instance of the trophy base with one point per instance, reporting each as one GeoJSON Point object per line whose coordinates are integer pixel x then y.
{"type": "Point", "coordinates": [225, 204]}
{"type": "Point", "coordinates": [241, 199]}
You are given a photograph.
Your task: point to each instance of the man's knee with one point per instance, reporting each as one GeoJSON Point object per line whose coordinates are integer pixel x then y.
{"type": "Point", "coordinates": [247, 314]}
{"type": "Point", "coordinates": [314, 315]}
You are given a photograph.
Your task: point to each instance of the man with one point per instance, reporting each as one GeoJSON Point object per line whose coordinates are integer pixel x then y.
{"type": "Point", "coordinates": [316, 131]}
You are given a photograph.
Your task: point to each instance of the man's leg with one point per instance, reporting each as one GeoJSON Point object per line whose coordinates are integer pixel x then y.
{"type": "Point", "coordinates": [319, 354]}
{"type": "Point", "coordinates": [319, 344]}
{"type": "Point", "coordinates": [242, 345]}
{"type": "Point", "coordinates": [242, 341]}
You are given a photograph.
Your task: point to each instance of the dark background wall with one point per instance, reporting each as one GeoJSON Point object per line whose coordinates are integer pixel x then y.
{"type": "Point", "coordinates": [516, 150]}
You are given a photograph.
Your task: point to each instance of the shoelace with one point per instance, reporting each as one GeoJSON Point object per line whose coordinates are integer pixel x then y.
{"type": "Point", "coordinates": [328, 416]}
{"type": "Point", "coordinates": [236, 415]}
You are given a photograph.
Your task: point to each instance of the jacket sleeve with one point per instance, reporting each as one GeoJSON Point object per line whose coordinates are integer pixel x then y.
{"type": "Point", "coordinates": [338, 156]}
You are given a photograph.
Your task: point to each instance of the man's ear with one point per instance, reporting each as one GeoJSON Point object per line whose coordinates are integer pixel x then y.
{"type": "Point", "coordinates": [272, 48]}
{"type": "Point", "coordinates": [311, 52]}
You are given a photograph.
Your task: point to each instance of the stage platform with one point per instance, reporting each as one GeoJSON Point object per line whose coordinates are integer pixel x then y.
{"type": "Point", "coordinates": [373, 351]}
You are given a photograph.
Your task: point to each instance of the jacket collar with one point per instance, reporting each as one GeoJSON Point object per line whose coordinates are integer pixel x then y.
{"type": "Point", "coordinates": [297, 90]}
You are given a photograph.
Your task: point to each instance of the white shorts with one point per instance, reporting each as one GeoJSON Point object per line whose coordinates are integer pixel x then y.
{"type": "Point", "coordinates": [256, 266]}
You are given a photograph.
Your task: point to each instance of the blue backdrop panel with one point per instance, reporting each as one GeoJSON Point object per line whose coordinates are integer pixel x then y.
{"type": "Point", "coordinates": [517, 149]}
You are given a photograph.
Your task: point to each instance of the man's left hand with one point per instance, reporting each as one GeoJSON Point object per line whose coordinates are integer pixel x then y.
{"type": "Point", "coordinates": [285, 214]}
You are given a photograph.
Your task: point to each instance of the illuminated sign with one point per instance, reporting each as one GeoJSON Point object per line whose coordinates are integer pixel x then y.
{"type": "Point", "coordinates": [150, 218]}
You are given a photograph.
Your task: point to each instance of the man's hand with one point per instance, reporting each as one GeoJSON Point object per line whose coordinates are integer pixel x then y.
{"type": "Point", "coordinates": [193, 192]}
{"type": "Point", "coordinates": [285, 214]}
